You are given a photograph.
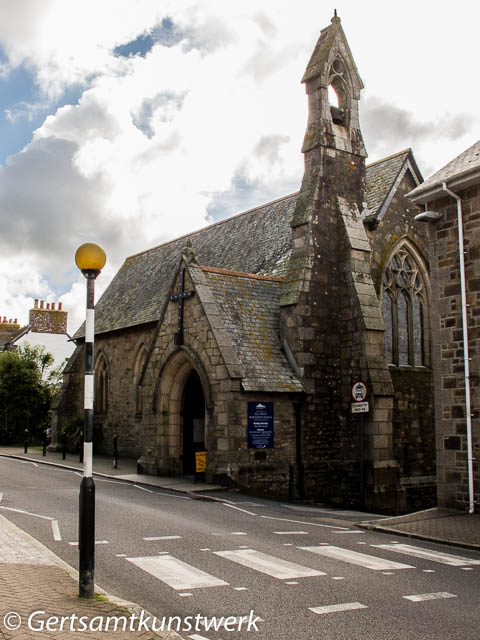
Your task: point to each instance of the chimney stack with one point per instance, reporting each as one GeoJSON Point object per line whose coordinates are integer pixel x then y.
{"type": "Point", "coordinates": [47, 319]}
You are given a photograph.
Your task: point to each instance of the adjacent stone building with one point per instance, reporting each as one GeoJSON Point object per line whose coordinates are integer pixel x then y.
{"type": "Point", "coordinates": [244, 339]}
{"type": "Point", "coordinates": [452, 197]}
{"type": "Point", "coordinates": [47, 327]}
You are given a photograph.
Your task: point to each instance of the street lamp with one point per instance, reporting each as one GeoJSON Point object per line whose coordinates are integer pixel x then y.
{"type": "Point", "coordinates": [90, 259]}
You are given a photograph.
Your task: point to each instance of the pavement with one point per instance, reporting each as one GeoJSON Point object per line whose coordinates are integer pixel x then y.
{"type": "Point", "coordinates": [447, 526]}
{"type": "Point", "coordinates": [26, 565]}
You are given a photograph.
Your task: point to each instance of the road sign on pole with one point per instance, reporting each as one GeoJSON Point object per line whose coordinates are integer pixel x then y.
{"type": "Point", "coordinates": [359, 391]}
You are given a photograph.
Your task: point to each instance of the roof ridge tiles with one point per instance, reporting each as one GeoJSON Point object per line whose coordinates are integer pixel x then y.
{"type": "Point", "coordinates": [214, 224]}
{"type": "Point", "coordinates": [241, 274]}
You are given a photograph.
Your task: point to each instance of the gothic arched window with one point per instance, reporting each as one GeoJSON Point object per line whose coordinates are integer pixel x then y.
{"type": "Point", "coordinates": [101, 383]}
{"type": "Point", "coordinates": [404, 305]}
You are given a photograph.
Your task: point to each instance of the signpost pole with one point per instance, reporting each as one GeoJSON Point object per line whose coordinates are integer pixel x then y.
{"type": "Point", "coordinates": [362, 470]}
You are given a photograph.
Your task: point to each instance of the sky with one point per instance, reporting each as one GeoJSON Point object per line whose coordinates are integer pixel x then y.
{"type": "Point", "coordinates": [131, 122]}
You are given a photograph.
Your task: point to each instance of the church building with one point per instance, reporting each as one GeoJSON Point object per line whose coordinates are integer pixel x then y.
{"type": "Point", "coordinates": [290, 342]}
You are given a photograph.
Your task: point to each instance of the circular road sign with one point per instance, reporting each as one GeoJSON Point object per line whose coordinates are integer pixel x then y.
{"type": "Point", "coordinates": [359, 391]}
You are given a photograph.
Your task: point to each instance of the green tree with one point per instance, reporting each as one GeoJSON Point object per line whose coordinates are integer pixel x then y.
{"type": "Point", "coordinates": [28, 382]}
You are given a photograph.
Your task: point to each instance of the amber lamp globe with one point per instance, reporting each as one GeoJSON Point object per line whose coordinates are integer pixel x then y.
{"type": "Point", "coordinates": [90, 257]}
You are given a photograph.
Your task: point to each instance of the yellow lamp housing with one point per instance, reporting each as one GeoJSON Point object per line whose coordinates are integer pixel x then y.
{"type": "Point", "coordinates": [90, 258]}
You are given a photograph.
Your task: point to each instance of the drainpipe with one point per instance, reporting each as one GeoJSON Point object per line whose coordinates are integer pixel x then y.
{"type": "Point", "coordinates": [461, 252]}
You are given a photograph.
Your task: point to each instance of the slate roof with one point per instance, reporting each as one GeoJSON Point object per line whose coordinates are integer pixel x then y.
{"type": "Point", "coordinates": [463, 170]}
{"type": "Point", "coordinates": [249, 307]}
{"type": "Point", "coordinates": [257, 241]}
{"type": "Point", "coordinates": [381, 178]}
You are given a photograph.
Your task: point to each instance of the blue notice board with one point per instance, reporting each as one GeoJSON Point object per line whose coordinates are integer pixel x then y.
{"type": "Point", "coordinates": [260, 425]}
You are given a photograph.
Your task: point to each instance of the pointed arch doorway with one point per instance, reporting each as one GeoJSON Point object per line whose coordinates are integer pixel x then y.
{"type": "Point", "coordinates": [183, 404]}
{"type": "Point", "coordinates": [193, 421]}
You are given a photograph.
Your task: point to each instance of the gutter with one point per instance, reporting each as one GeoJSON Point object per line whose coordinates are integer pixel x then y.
{"type": "Point", "coordinates": [468, 413]}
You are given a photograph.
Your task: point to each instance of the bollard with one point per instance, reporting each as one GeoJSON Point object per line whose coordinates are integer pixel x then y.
{"type": "Point", "coordinates": [44, 443]}
{"type": "Point", "coordinates": [80, 457]}
{"type": "Point", "coordinates": [25, 441]}
{"type": "Point", "coordinates": [64, 446]}
{"type": "Point", "coordinates": [291, 481]}
{"type": "Point", "coordinates": [115, 452]}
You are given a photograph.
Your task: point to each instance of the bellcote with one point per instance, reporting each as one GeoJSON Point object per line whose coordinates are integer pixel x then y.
{"type": "Point", "coordinates": [332, 69]}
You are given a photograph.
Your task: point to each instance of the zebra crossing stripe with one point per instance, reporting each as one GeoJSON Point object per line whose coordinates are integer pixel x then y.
{"type": "Point", "coordinates": [422, 597]}
{"type": "Point", "coordinates": [353, 557]}
{"type": "Point", "coordinates": [336, 608]}
{"type": "Point", "coordinates": [427, 554]}
{"type": "Point", "coordinates": [272, 566]}
{"type": "Point", "coordinates": [177, 574]}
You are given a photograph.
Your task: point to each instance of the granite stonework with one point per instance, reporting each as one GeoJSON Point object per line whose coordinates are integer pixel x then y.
{"type": "Point", "coordinates": [286, 309]}
{"type": "Point", "coordinates": [462, 177]}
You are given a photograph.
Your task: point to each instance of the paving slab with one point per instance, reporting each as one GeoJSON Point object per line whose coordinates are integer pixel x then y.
{"type": "Point", "coordinates": [448, 526]}
{"type": "Point", "coordinates": [38, 590]}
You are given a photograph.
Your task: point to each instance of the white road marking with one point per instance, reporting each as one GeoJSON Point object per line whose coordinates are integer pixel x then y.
{"type": "Point", "coordinates": [291, 533]}
{"type": "Point", "coordinates": [27, 513]}
{"type": "Point", "coordinates": [362, 532]}
{"type": "Point", "coordinates": [311, 524]}
{"type": "Point", "coordinates": [291, 582]}
{"type": "Point", "coordinates": [427, 554]}
{"type": "Point", "coordinates": [185, 595]}
{"type": "Point", "coordinates": [177, 574]}
{"type": "Point", "coordinates": [121, 555]}
{"type": "Point", "coordinates": [168, 495]}
{"type": "Point", "coordinates": [238, 509]}
{"type": "Point", "coordinates": [56, 530]}
{"type": "Point", "coordinates": [272, 566]}
{"type": "Point", "coordinates": [153, 538]}
{"type": "Point", "coordinates": [197, 637]}
{"type": "Point", "coordinates": [353, 557]}
{"type": "Point", "coordinates": [75, 544]}
{"type": "Point", "coordinates": [239, 533]}
{"type": "Point", "coordinates": [77, 473]}
{"type": "Point", "coordinates": [252, 504]}
{"type": "Point", "coordinates": [288, 544]}
{"type": "Point", "coordinates": [421, 597]}
{"type": "Point", "coordinates": [362, 542]}
{"type": "Point", "coordinates": [1, 497]}
{"type": "Point", "coordinates": [206, 549]}
{"type": "Point", "coordinates": [428, 570]}
{"type": "Point", "coordinates": [338, 578]}
{"type": "Point", "coordinates": [28, 462]}
{"type": "Point", "coordinates": [467, 569]}
{"type": "Point", "coordinates": [335, 608]}
{"type": "Point", "coordinates": [137, 486]}
{"type": "Point", "coordinates": [240, 588]}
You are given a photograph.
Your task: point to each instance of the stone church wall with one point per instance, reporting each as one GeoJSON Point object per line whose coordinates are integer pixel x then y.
{"type": "Point", "coordinates": [448, 345]}
{"type": "Point", "coordinates": [414, 412]}
{"type": "Point", "coordinates": [121, 351]}
{"type": "Point", "coordinates": [228, 459]}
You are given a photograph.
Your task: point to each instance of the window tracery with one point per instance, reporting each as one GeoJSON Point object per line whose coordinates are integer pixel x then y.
{"type": "Point", "coordinates": [404, 304]}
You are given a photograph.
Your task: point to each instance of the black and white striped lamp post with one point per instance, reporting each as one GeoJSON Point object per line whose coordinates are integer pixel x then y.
{"type": "Point", "coordinates": [90, 259]}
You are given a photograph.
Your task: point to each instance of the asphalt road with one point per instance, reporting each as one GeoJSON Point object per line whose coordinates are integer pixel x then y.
{"type": "Point", "coordinates": [308, 573]}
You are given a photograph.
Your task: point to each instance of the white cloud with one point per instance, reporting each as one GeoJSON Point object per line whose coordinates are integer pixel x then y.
{"type": "Point", "coordinates": [156, 143]}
